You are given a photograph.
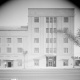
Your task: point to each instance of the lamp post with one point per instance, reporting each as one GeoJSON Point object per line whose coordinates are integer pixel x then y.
{"type": "Point", "coordinates": [24, 53]}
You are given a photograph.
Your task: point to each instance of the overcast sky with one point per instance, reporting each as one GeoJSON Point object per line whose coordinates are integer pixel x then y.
{"type": "Point", "coordinates": [15, 12]}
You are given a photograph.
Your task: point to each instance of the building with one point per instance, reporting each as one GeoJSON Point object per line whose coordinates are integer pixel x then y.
{"type": "Point", "coordinates": [39, 45]}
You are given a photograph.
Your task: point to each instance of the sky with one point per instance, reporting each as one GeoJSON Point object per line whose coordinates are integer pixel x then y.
{"type": "Point", "coordinates": [15, 12]}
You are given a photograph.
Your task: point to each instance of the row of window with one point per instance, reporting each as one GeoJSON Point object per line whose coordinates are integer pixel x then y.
{"type": "Point", "coordinates": [51, 19]}
{"type": "Point", "coordinates": [51, 40]}
{"type": "Point", "coordinates": [9, 50]}
{"type": "Point", "coordinates": [36, 50]}
{"type": "Point", "coordinates": [9, 40]}
{"type": "Point", "coordinates": [50, 50]}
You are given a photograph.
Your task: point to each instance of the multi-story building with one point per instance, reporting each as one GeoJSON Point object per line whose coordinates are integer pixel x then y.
{"type": "Point", "coordinates": [39, 45]}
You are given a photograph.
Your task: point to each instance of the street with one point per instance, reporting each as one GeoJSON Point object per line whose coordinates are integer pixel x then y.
{"type": "Point", "coordinates": [40, 74]}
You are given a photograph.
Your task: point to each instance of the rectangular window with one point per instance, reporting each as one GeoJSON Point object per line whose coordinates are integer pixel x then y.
{"type": "Point", "coordinates": [19, 40]}
{"type": "Point", "coordinates": [65, 19]}
{"type": "Point", "coordinates": [55, 30]}
{"type": "Point", "coordinates": [47, 50]}
{"type": "Point", "coordinates": [20, 50]}
{"type": "Point", "coordinates": [36, 19]}
{"type": "Point", "coordinates": [36, 40]}
{"type": "Point", "coordinates": [8, 40]}
{"type": "Point", "coordinates": [65, 40]}
{"type": "Point", "coordinates": [36, 62]}
{"type": "Point", "coordinates": [55, 19]}
{"type": "Point", "coordinates": [65, 50]}
{"type": "Point", "coordinates": [55, 50]}
{"type": "Point", "coordinates": [19, 62]}
{"type": "Point", "coordinates": [36, 30]}
{"type": "Point", "coordinates": [54, 40]}
{"type": "Point", "coordinates": [51, 50]}
{"type": "Point", "coordinates": [47, 40]}
{"type": "Point", "coordinates": [47, 19]}
{"type": "Point", "coordinates": [47, 30]}
{"type": "Point", "coordinates": [65, 62]}
{"type": "Point", "coordinates": [36, 50]}
{"type": "Point", "coordinates": [8, 50]}
{"type": "Point", "coordinates": [51, 40]}
{"type": "Point", "coordinates": [51, 30]}
{"type": "Point", "coordinates": [51, 19]}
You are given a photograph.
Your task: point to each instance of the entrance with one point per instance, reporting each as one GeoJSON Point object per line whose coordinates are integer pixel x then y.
{"type": "Point", "coordinates": [51, 61]}
{"type": "Point", "coordinates": [9, 63]}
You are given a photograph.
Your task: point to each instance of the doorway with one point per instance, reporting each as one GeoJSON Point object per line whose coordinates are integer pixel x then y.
{"type": "Point", "coordinates": [51, 61]}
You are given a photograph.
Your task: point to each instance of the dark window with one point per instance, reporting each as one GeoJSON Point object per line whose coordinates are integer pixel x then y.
{"type": "Point", "coordinates": [36, 19]}
{"type": "Point", "coordinates": [55, 30]}
{"type": "Point", "coordinates": [65, 19]}
{"type": "Point", "coordinates": [47, 19]}
{"type": "Point", "coordinates": [51, 50]}
{"type": "Point", "coordinates": [65, 30]}
{"type": "Point", "coordinates": [65, 62]}
{"type": "Point", "coordinates": [55, 19]}
{"type": "Point", "coordinates": [19, 40]}
{"type": "Point", "coordinates": [51, 20]}
{"type": "Point", "coordinates": [54, 40]}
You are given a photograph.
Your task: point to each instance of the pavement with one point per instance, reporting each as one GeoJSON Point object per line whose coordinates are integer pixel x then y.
{"type": "Point", "coordinates": [40, 74]}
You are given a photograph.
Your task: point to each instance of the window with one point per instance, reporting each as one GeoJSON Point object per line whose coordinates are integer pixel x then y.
{"type": "Point", "coordinates": [36, 19]}
{"type": "Point", "coordinates": [8, 40]}
{"type": "Point", "coordinates": [19, 40]}
{"type": "Point", "coordinates": [19, 62]}
{"type": "Point", "coordinates": [36, 30]}
{"type": "Point", "coordinates": [51, 20]}
{"type": "Point", "coordinates": [47, 30]}
{"type": "Point", "coordinates": [47, 40]}
{"type": "Point", "coordinates": [54, 40]}
{"type": "Point", "coordinates": [51, 40]}
{"type": "Point", "coordinates": [51, 30]}
{"type": "Point", "coordinates": [47, 19]}
{"type": "Point", "coordinates": [47, 50]}
{"type": "Point", "coordinates": [51, 50]}
{"type": "Point", "coordinates": [36, 40]}
{"type": "Point", "coordinates": [65, 40]}
{"type": "Point", "coordinates": [20, 50]}
{"type": "Point", "coordinates": [36, 62]}
{"type": "Point", "coordinates": [55, 19]}
{"type": "Point", "coordinates": [55, 50]}
{"type": "Point", "coordinates": [36, 50]}
{"type": "Point", "coordinates": [8, 50]}
{"type": "Point", "coordinates": [65, 62]}
{"type": "Point", "coordinates": [65, 50]}
{"type": "Point", "coordinates": [55, 30]}
{"type": "Point", "coordinates": [65, 19]}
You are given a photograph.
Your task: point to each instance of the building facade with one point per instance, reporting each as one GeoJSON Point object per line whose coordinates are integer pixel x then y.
{"type": "Point", "coordinates": [39, 45]}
